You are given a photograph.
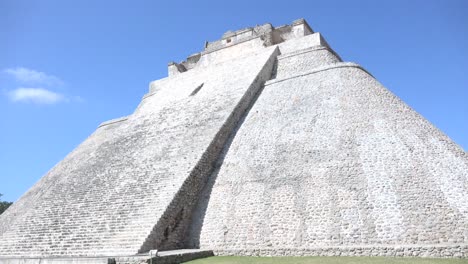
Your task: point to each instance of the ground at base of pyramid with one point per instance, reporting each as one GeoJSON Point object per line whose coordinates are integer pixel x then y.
{"type": "Point", "coordinates": [323, 260]}
{"type": "Point", "coordinates": [263, 144]}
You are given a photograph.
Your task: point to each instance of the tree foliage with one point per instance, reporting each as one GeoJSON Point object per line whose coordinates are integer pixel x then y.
{"type": "Point", "coordinates": [4, 205]}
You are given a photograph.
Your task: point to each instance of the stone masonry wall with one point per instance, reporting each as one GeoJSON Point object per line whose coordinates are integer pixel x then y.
{"type": "Point", "coordinates": [329, 162]}
{"type": "Point", "coordinates": [171, 229]}
{"type": "Point", "coordinates": [299, 62]}
{"type": "Point", "coordinates": [319, 160]}
{"type": "Point", "coordinates": [108, 195]}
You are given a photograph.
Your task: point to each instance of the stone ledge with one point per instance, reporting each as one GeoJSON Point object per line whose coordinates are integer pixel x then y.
{"type": "Point", "coordinates": [163, 257]}
{"type": "Point", "coordinates": [320, 69]}
{"type": "Point", "coordinates": [302, 51]}
{"type": "Point", "coordinates": [113, 121]}
{"type": "Point", "coordinates": [148, 95]}
{"type": "Point", "coordinates": [309, 49]}
{"type": "Point", "coordinates": [429, 251]}
{"type": "Point", "coordinates": [167, 257]}
{"type": "Point", "coordinates": [53, 260]}
{"type": "Point", "coordinates": [234, 44]}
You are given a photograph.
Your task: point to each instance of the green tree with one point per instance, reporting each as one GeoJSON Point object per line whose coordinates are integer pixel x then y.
{"type": "Point", "coordinates": [4, 205]}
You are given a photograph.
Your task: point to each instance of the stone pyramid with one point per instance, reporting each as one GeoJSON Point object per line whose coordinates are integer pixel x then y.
{"type": "Point", "coordinates": [264, 143]}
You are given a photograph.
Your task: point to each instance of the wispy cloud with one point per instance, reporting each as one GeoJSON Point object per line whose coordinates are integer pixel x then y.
{"type": "Point", "coordinates": [36, 95]}
{"type": "Point", "coordinates": [39, 87]}
{"type": "Point", "coordinates": [29, 76]}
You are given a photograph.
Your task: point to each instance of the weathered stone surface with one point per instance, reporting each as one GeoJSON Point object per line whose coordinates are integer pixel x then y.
{"type": "Point", "coordinates": [265, 143]}
{"type": "Point", "coordinates": [129, 187]}
{"type": "Point", "coordinates": [328, 157]}
{"type": "Point", "coordinates": [429, 251]}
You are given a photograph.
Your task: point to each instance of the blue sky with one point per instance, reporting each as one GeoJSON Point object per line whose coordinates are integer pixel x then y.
{"type": "Point", "coordinates": [66, 66]}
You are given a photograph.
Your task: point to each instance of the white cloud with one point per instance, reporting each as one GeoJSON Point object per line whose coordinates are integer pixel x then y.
{"type": "Point", "coordinates": [43, 94]}
{"type": "Point", "coordinates": [35, 95]}
{"type": "Point", "coordinates": [29, 76]}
